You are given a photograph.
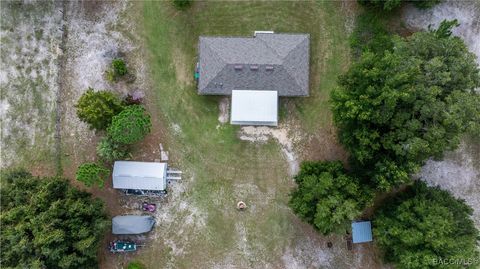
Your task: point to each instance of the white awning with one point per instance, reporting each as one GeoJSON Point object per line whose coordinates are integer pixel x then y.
{"type": "Point", "coordinates": [254, 107]}
{"type": "Point", "coordinates": [139, 175]}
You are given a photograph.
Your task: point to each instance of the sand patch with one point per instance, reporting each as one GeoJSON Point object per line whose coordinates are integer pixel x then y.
{"type": "Point", "coordinates": [224, 108]}
{"type": "Point", "coordinates": [281, 134]}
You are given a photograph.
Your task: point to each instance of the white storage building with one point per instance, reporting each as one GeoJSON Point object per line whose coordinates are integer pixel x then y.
{"type": "Point", "coordinates": [147, 176]}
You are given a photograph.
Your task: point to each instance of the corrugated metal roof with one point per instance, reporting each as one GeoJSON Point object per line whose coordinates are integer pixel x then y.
{"type": "Point", "coordinates": [254, 107]}
{"type": "Point", "coordinates": [287, 57]}
{"type": "Point", "coordinates": [139, 175]}
{"type": "Point", "coordinates": [362, 232]}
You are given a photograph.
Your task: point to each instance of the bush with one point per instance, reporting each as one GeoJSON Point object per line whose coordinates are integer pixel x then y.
{"type": "Point", "coordinates": [182, 4]}
{"type": "Point", "coordinates": [135, 265]}
{"type": "Point", "coordinates": [118, 69]}
{"type": "Point", "coordinates": [91, 174]}
{"type": "Point", "coordinates": [130, 126]}
{"type": "Point", "coordinates": [327, 197]}
{"type": "Point", "coordinates": [110, 151]}
{"type": "Point", "coordinates": [47, 223]}
{"type": "Point", "coordinates": [423, 225]}
{"type": "Point", "coordinates": [98, 108]}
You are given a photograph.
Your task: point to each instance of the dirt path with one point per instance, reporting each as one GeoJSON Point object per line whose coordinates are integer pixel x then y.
{"type": "Point", "coordinates": [58, 95]}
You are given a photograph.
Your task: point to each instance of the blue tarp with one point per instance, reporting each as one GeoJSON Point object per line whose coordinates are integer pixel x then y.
{"type": "Point", "coordinates": [362, 232]}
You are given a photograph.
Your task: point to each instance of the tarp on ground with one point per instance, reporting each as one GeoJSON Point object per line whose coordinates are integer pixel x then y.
{"type": "Point", "coordinates": [132, 224]}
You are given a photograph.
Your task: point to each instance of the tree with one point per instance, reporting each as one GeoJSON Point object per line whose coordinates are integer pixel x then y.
{"type": "Point", "coordinates": [109, 151]}
{"type": "Point", "coordinates": [327, 197]}
{"type": "Point", "coordinates": [422, 226]}
{"type": "Point", "coordinates": [47, 223]}
{"type": "Point", "coordinates": [91, 174]}
{"type": "Point", "coordinates": [98, 108]}
{"type": "Point", "coordinates": [130, 126]}
{"type": "Point", "coordinates": [397, 109]}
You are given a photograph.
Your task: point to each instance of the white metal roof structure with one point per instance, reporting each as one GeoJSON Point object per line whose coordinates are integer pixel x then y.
{"type": "Point", "coordinates": [254, 107]}
{"type": "Point", "coordinates": [139, 175]}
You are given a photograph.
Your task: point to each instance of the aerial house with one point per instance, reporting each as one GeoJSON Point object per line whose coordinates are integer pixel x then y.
{"type": "Point", "coordinates": [255, 71]}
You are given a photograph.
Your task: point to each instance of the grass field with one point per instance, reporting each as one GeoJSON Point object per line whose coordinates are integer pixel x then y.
{"type": "Point", "coordinates": [200, 227]}
{"type": "Point", "coordinates": [28, 74]}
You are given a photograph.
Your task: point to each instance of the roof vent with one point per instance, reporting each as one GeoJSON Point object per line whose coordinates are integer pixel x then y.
{"type": "Point", "coordinates": [238, 67]}
{"type": "Point", "coordinates": [269, 68]}
{"type": "Point", "coordinates": [254, 67]}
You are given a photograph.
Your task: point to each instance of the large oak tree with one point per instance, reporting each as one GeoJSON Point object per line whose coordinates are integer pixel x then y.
{"type": "Point", "coordinates": [396, 109]}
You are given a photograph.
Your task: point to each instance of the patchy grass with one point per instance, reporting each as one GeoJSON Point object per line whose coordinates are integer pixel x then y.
{"type": "Point", "coordinates": [222, 169]}
{"type": "Point", "coordinates": [29, 34]}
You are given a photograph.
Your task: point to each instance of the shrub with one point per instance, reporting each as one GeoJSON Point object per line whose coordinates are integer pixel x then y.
{"type": "Point", "coordinates": [118, 69]}
{"type": "Point", "coordinates": [182, 4]}
{"type": "Point", "coordinates": [130, 126]}
{"type": "Point", "coordinates": [423, 225]}
{"type": "Point", "coordinates": [98, 108]}
{"type": "Point", "coordinates": [91, 174]}
{"type": "Point", "coordinates": [135, 265]}
{"type": "Point", "coordinates": [327, 197]}
{"type": "Point", "coordinates": [47, 223]}
{"type": "Point", "coordinates": [110, 151]}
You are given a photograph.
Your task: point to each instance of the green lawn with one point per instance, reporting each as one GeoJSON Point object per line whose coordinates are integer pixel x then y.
{"type": "Point", "coordinates": [220, 168]}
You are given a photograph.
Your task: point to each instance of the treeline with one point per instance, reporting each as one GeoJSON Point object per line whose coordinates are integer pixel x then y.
{"type": "Point", "coordinates": [404, 100]}
{"type": "Point", "coordinates": [47, 223]}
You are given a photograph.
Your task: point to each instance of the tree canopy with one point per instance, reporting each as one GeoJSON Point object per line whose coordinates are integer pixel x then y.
{"type": "Point", "coordinates": [47, 223]}
{"type": "Point", "coordinates": [398, 108]}
{"type": "Point", "coordinates": [97, 108]}
{"type": "Point", "coordinates": [130, 126]}
{"type": "Point", "coordinates": [422, 226]}
{"type": "Point", "coordinates": [110, 151]}
{"type": "Point", "coordinates": [328, 197]}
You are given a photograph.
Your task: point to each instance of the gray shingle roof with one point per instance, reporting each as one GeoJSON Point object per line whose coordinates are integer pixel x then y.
{"type": "Point", "coordinates": [272, 62]}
